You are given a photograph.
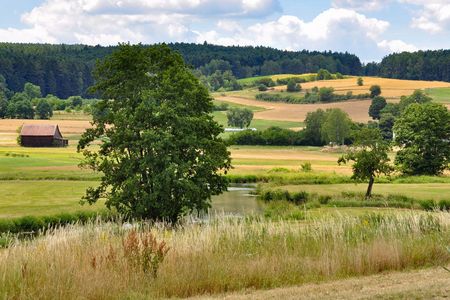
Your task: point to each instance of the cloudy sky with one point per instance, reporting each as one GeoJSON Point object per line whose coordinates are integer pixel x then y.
{"type": "Point", "coordinates": [369, 28]}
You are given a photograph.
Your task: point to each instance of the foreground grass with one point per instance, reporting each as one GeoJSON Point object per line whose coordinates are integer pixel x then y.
{"type": "Point", "coordinates": [221, 255]}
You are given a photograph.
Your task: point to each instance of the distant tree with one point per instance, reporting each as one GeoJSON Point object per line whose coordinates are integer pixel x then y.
{"type": "Point", "coordinates": [313, 127]}
{"type": "Point", "coordinates": [391, 108]}
{"type": "Point", "coordinates": [370, 156]}
{"type": "Point", "coordinates": [339, 75]}
{"type": "Point", "coordinates": [3, 107]}
{"type": "Point", "coordinates": [270, 67]}
{"type": "Point", "coordinates": [33, 91]}
{"type": "Point", "coordinates": [75, 101]}
{"type": "Point", "coordinates": [423, 133]}
{"type": "Point", "coordinates": [386, 124]}
{"type": "Point", "coordinates": [262, 88]}
{"type": "Point", "coordinates": [239, 117]}
{"type": "Point", "coordinates": [326, 94]}
{"type": "Point", "coordinates": [378, 103]}
{"type": "Point", "coordinates": [336, 127]}
{"type": "Point", "coordinates": [323, 74]}
{"type": "Point", "coordinates": [44, 109]}
{"type": "Point", "coordinates": [360, 81]}
{"type": "Point", "coordinates": [20, 109]}
{"type": "Point", "coordinates": [375, 90]}
{"type": "Point", "coordinates": [20, 96]}
{"type": "Point", "coordinates": [417, 97]}
{"type": "Point", "coordinates": [267, 81]}
{"type": "Point", "coordinates": [159, 148]}
{"type": "Point", "coordinates": [292, 86]}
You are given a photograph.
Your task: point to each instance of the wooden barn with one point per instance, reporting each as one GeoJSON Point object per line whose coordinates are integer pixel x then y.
{"type": "Point", "coordinates": [34, 135]}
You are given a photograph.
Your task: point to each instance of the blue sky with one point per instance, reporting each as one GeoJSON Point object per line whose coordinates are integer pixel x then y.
{"type": "Point", "coordinates": [369, 28]}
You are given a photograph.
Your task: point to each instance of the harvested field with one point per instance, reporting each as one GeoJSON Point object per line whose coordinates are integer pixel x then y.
{"type": "Point", "coordinates": [390, 88]}
{"type": "Point", "coordinates": [66, 126]}
{"type": "Point", "coordinates": [277, 111]}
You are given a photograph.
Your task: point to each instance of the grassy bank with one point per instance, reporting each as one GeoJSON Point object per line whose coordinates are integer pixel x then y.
{"type": "Point", "coordinates": [221, 255]}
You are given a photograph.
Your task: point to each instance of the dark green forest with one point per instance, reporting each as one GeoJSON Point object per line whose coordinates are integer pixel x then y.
{"type": "Point", "coordinates": [65, 70]}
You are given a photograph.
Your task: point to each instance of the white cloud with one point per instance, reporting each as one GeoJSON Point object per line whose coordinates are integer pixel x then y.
{"type": "Point", "coordinates": [396, 46]}
{"type": "Point", "coordinates": [336, 29]}
{"type": "Point", "coordinates": [360, 5]}
{"type": "Point", "coordinates": [434, 16]}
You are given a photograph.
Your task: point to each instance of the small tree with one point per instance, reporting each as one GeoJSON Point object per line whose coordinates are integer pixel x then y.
{"type": "Point", "coordinates": [375, 90]}
{"type": "Point", "coordinates": [323, 74]}
{"type": "Point", "coordinates": [33, 91]}
{"type": "Point", "coordinates": [262, 88]}
{"type": "Point", "coordinates": [336, 126]}
{"type": "Point", "coordinates": [326, 94]}
{"type": "Point", "coordinates": [360, 81]}
{"type": "Point", "coordinates": [75, 101]}
{"type": "Point", "coordinates": [292, 86]}
{"type": "Point", "coordinates": [239, 117]}
{"type": "Point", "coordinates": [370, 156]}
{"type": "Point", "coordinates": [423, 132]}
{"type": "Point", "coordinates": [378, 103]}
{"type": "Point", "coordinates": [44, 110]}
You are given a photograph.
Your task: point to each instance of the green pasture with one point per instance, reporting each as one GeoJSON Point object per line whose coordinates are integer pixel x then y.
{"type": "Point", "coordinates": [42, 197]}
{"type": "Point", "coordinates": [221, 118]}
{"type": "Point", "coordinates": [439, 95]}
{"type": "Point", "coordinates": [418, 191]}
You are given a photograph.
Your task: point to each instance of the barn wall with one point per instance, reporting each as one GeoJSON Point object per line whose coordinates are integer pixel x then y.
{"type": "Point", "coordinates": [37, 141]}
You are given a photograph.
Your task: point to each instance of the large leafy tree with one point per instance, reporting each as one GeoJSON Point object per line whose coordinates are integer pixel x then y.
{"type": "Point", "coordinates": [423, 132]}
{"type": "Point", "coordinates": [160, 151]}
{"type": "Point", "coordinates": [239, 117]}
{"type": "Point", "coordinates": [336, 127]}
{"type": "Point", "coordinates": [370, 157]}
{"type": "Point", "coordinates": [378, 103]}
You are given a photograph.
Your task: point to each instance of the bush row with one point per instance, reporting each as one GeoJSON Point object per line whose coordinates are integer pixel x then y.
{"type": "Point", "coordinates": [314, 97]}
{"type": "Point", "coordinates": [350, 199]}
{"type": "Point", "coordinates": [33, 224]}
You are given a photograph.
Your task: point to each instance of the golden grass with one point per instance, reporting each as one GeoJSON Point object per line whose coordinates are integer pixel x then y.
{"type": "Point", "coordinates": [390, 88]}
{"type": "Point", "coordinates": [221, 255]}
{"type": "Point", "coordinates": [66, 126]}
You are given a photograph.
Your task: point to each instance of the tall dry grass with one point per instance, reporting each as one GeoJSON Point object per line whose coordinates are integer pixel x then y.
{"type": "Point", "coordinates": [220, 255]}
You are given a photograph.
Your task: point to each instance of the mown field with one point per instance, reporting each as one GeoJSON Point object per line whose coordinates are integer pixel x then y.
{"type": "Point", "coordinates": [392, 89]}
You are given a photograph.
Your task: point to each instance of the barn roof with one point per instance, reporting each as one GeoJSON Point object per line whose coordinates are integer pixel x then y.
{"type": "Point", "coordinates": [39, 130]}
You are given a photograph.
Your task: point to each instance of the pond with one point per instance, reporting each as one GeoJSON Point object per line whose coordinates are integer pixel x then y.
{"type": "Point", "coordinates": [237, 200]}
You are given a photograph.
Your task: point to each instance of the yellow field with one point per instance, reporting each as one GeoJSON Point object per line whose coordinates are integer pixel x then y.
{"type": "Point", "coordinates": [390, 88]}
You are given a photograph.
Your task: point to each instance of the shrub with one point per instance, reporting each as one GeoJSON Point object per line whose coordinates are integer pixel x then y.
{"type": "Point", "coordinates": [444, 204]}
{"type": "Point", "coordinates": [262, 88]}
{"type": "Point", "coordinates": [324, 199]}
{"type": "Point", "coordinates": [306, 167]}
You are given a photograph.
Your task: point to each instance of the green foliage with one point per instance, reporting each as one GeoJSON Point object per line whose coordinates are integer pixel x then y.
{"type": "Point", "coordinates": [370, 157]}
{"type": "Point", "coordinates": [44, 110]}
{"type": "Point", "coordinates": [292, 86]}
{"type": "Point", "coordinates": [3, 106]}
{"type": "Point", "coordinates": [313, 127]}
{"type": "Point", "coordinates": [423, 132]}
{"type": "Point", "coordinates": [391, 108]}
{"type": "Point", "coordinates": [323, 74]}
{"type": "Point", "coordinates": [306, 167]}
{"type": "Point", "coordinates": [272, 136]}
{"type": "Point", "coordinates": [75, 101]}
{"type": "Point", "coordinates": [375, 90]}
{"type": "Point", "coordinates": [20, 109]}
{"type": "Point", "coordinates": [239, 117]}
{"type": "Point", "coordinates": [386, 124]}
{"type": "Point", "coordinates": [267, 81]}
{"type": "Point", "coordinates": [336, 126]}
{"type": "Point", "coordinates": [161, 154]}
{"type": "Point", "coordinates": [32, 91]}
{"type": "Point", "coordinates": [360, 81]}
{"type": "Point", "coordinates": [378, 103]}
{"type": "Point", "coordinates": [417, 97]}
{"type": "Point", "coordinates": [339, 75]}
{"type": "Point", "coordinates": [326, 94]}
{"type": "Point", "coordinates": [262, 88]}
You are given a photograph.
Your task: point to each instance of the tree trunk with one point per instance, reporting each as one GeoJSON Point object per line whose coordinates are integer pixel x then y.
{"type": "Point", "coordinates": [369, 188]}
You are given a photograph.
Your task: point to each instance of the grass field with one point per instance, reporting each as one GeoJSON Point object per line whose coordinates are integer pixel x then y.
{"type": "Point", "coordinates": [439, 95]}
{"type": "Point", "coordinates": [422, 191]}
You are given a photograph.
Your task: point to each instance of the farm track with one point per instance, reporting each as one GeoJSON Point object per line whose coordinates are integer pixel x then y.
{"type": "Point", "coordinates": [420, 284]}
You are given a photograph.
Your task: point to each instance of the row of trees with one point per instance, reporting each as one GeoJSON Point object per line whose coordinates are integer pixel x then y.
{"type": "Point", "coordinates": [29, 103]}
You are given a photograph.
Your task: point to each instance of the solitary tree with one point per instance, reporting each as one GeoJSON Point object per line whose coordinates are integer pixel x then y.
{"type": "Point", "coordinates": [160, 153]}
{"type": "Point", "coordinates": [360, 81]}
{"type": "Point", "coordinates": [44, 109]}
{"type": "Point", "coordinates": [375, 90]}
{"type": "Point", "coordinates": [423, 132]}
{"type": "Point", "coordinates": [239, 117]}
{"type": "Point", "coordinates": [378, 103]}
{"type": "Point", "coordinates": [370, 157]}
{"type": "Point", "coordinates": [292, 86]}
{"type": "Point", "coordinates": [323, 74]}
{"type": "Point", "coordinates": [336, 126]}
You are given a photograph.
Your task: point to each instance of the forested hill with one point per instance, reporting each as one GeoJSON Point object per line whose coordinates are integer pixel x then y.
{"type": "Point", "coordinates": [65, 70]}
{"type": "Point", "coordinates": [420, 65]}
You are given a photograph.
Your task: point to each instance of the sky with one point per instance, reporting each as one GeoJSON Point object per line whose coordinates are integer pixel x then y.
{"type": "Point", "coordinates": [370, 29]}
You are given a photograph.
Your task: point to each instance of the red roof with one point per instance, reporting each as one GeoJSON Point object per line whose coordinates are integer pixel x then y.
{"type": "Point", "coordinates": [40, 130]}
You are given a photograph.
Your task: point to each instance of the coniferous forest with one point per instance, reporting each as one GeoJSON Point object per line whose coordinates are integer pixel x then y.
{"type": "Point", "coordinates": [65, 70]}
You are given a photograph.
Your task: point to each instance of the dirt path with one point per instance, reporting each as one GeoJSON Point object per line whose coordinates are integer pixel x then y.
{"type": "Point", "coordinates": [422, 284]}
